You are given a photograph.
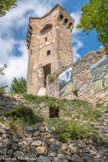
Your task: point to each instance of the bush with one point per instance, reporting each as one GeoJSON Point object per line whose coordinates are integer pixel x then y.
{"type": "Point", "coordinates": [19, 85]}
{"type": "Point", "coordinates": [75, 129]}
{"type": "Point", "coordinates": [25, 114]}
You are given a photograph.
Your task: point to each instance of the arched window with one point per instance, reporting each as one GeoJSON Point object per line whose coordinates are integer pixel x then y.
{"type": "Point", "coordinates": [65, 22]}
{"type": "Point", "coordinates": [46, 29]}
{"type": "Point", "coordinates": [61, 18]}
{"type": "Point", "coordinates": [69, 26]}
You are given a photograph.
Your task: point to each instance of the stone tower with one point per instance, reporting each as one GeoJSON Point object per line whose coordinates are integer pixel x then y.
{"type": "Point", "coordinates": [49, 46]}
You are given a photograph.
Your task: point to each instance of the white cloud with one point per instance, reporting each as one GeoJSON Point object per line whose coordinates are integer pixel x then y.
{"type": "Point", "coordinates": [16, 22]}
{"type": "Point", "coordinates": [77, 45]}
{"type": "Point", "coordinates": [76, 40]}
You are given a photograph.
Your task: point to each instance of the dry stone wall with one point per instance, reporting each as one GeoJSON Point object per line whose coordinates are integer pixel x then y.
{"type": "Point", "coordinates": [41, 145]}
{"type": "Point", "coordinates": [9, 102]}
{"type": "Point", "coordinates": [82, 80]}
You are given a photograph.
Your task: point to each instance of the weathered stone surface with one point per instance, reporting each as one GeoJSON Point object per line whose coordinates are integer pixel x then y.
{"type": "Point", "coordinates": [3, 145]}
{"type": "Point", "coordinates": [36, 143]}
{"type": "Point", "coordinates": [78, 151]}
{"type": "Point", "coordinates": [42, 91]}
{"type": "Point", "coordinates": [59, 160]}
{"type": "Point", "coordinates": [41, 150]}
{"type": "Point", "coordinates": [10, 152]}
{"type": "Point", "coordinates": [36, 133]}
{"type": "Point", "coordinates": [43, 159]}
{"type": "Point", "coordinates": [18, 154]}
{"type": "Point", "coordinates": [29, 128]}
{"type": "Point", "coordinates": [76, 158]}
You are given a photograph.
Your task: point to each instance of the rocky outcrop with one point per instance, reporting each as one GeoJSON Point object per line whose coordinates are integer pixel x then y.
{"type": "Point", "coordinates": [42, 145]}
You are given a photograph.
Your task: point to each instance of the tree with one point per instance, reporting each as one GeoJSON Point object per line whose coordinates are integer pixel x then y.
{"type": "Point", "coordinates": [5, 5]}
{"type": "Point", "coordinates": [2, 69]}
{"type": "Point", "coordinates": [18, 85]}
{"type": "Point", "coordinates": [95, 16]}
{"type": "Point", "coordinates": [3, 86]}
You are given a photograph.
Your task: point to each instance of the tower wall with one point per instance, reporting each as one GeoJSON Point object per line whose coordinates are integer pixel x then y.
{"type": "Point", "coordinates": [49, 43]}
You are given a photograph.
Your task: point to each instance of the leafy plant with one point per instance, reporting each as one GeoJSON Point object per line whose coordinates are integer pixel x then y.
{"type": "Point", "coordinates": [50, 77]}
{"type": "Point", "coordinates": [2, 89]}
{"type": "Point", "coordinates": [18, 85]}
{"type": "Point", "coordinates": [24, 114]}
{"type": "Point", "coordinates": [76, 129]}
{"type": "Point", "coordinates": [94, 15]}
{"type": "Point", "coordinates": [3, 86]}
{"type": "Point", "coordinates": [5, 5]}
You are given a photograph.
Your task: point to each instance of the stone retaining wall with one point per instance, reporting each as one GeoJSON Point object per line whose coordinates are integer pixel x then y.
{"type": "Point", "coordinates": [41, 145]}
{"type": "Point", "coordinates": [9, 102]}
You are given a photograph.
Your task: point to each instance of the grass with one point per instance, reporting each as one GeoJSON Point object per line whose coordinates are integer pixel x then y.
{"type": "Point", "coordinates": [75, 121]}
{"type": "Point", "coordinates": [19, 118]}
{"type": "Point", "coordinates": [25, 115]}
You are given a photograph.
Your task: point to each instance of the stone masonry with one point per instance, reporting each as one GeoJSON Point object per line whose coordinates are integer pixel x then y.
{"type": "Point", "coordinates": [82, 80]}
{"type": "Point", "coordinates": [50, 53]}
{"type": "Point", "coordinates": [41, 145]}
{"type": "Point", "coordinates": [49, 46]}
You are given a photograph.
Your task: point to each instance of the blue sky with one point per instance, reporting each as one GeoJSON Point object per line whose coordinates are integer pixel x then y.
{"type": "Point", "coordinates": [13, 33]}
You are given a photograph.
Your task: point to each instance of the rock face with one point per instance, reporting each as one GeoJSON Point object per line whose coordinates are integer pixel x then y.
{"type": "Point", "coordinates": [48, 149]}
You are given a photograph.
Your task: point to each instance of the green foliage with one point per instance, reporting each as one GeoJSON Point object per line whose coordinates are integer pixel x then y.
{"type": "Point", "coordinates": [2, 89]}
{"type": "Point", "coordinates": [95, 16]}
{"type": "Point", "coordinates": [24, 114]}
{"type": "Point", "coordinates": [18, 85]}
{"type": "Point", "coordinates": [75, 129]}
{"type": "Point", "coordinates": [2, 86]}
{"type": "Point", "coordinates": [2, 69]}
{"type": "Point", "coordinates": [5, 5]}
{"type": "Point", "coordinates": [83, 109]}
{"type": "Point", "coordinates": [50, 77]}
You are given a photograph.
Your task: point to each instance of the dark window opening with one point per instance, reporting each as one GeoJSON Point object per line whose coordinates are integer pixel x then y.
{"type": "Point", "coordinates": [47, 70]}
{"type": "Point", "coordinates": [70, 24]}
{"type": "Point", "coordinates": [47, 28]}
{"type": "Point", "coordinates": [48, 52]}
{"type": "Point", "coordinates": [61, 18]}
{"type": "Point", "coordinates": [54, 112]}
{"type": "Point", "coordinates": [45, 39]}
{"type": "Point", "coordinates": [66, 21]}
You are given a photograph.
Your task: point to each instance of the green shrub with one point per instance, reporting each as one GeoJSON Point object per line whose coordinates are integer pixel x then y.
{"type": "Point", "coordinates": [25, 114]}
{"type": "Point", "coordinates": [2, 89]}
{"type": "Point", "coordinates": [18, 85]}
{"type": "Point", "coordinates": [50, 77]}
{"type": "Point", "coordinates": [76, 129]}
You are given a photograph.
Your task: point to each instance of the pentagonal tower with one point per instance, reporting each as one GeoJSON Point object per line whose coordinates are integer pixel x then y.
{"type": "Point", "coordinates": [49, 46]}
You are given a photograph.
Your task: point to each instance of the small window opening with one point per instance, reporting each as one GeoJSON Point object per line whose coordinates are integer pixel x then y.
{"type": "Point", "coordinates": [61, 18]}
{"type": "Point", "coordinates": [46, 39]}
{"type": "Point", "coordinates": [70, 24]}
{"type": "Point", "coordinates": [48, 52]}
{"type": "Point", "coordinates": [66, 21]}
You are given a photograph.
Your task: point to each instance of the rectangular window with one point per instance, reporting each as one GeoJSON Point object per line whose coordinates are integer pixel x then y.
{"type": "Point", "coordinates": [45, 39]}
{"type": "Point", "coordinates": [48, 52]}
